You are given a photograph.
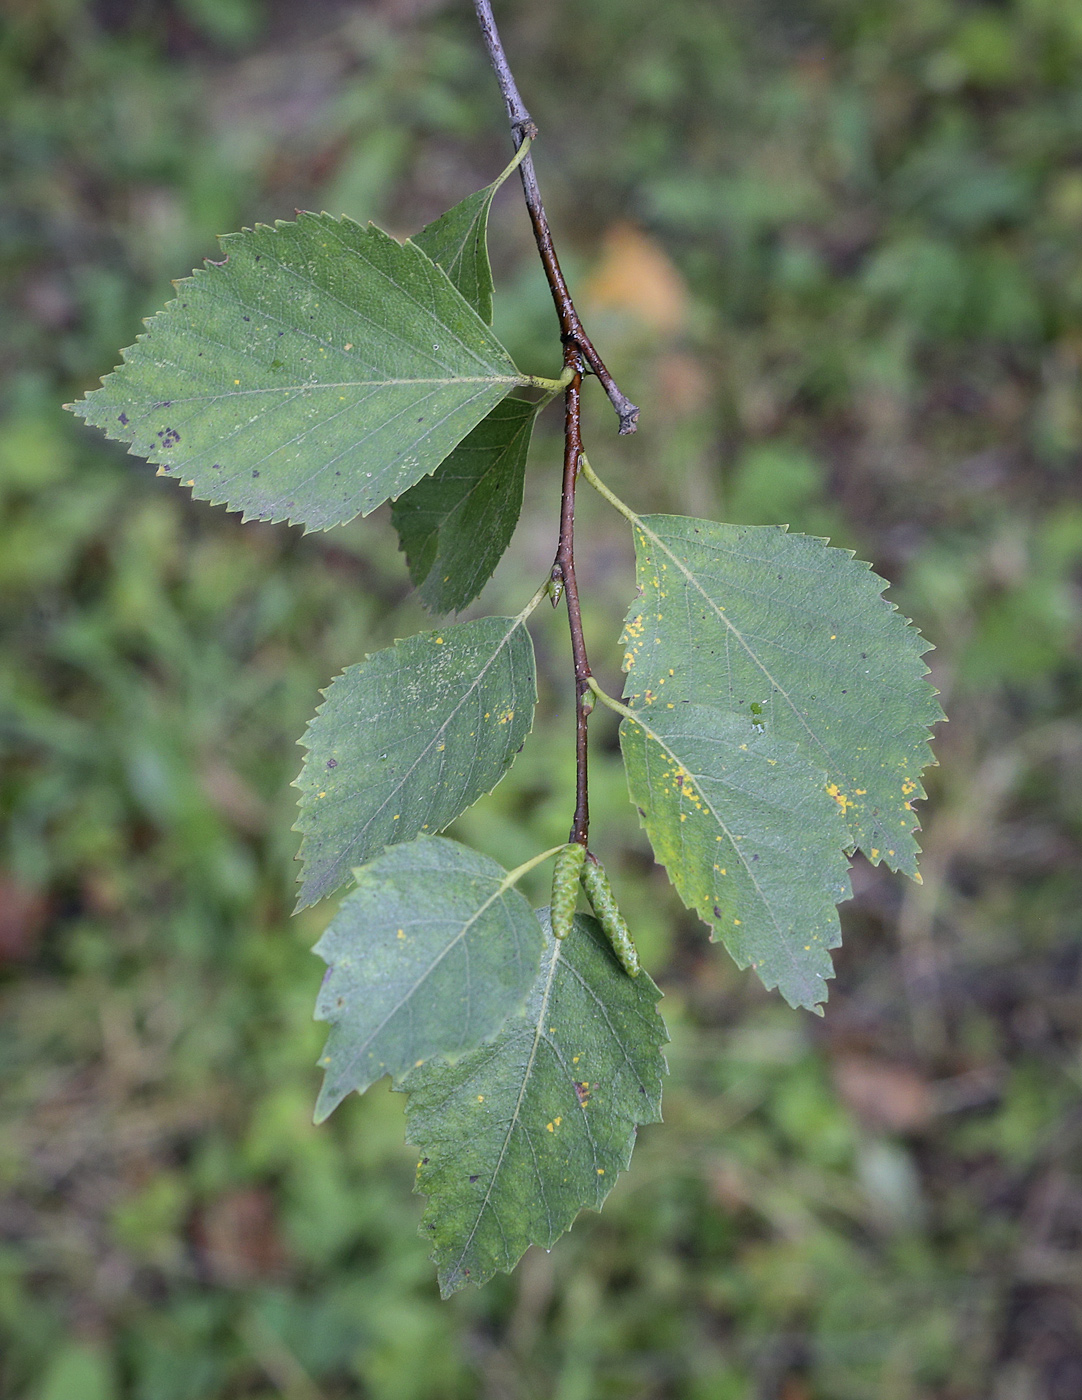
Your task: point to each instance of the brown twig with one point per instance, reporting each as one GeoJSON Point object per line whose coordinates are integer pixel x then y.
{"type": "Point", "coordinates": [579, 354]}
{"type": "Point", "coordinates": [522, 125]}
{"type": "Point", "coordinates": [563, 572]}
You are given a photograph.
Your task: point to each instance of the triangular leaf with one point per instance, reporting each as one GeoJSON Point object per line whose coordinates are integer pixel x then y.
{"type": "Point", "coordinates": [454, 526]}
{"type": "Point", "coordinates": [749, 835]}
{"type": "Point", "coordinates": [429, 955]}
{"type": "Point", "coordinates": [322, 369]}
{"type": "Point", "coordinates": [408, 739]}
{"type": "Point", "coordinates": [458, 241]}
{"type": "Point", "coordinates": [519, 1136]}
{"type": "Point", "coordinates": [785, 631]}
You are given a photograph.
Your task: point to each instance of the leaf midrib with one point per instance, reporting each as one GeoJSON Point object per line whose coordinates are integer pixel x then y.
{"type": "Point", "coordinates": [650, 733]}
{"type": "Point", "coordinates": [735, 631]}
{"type": "Point", "coordinates": [513, 380]}
{"type": "Point", "coordinates": [557, 953]}
{"type": "Point", "coordinates": [498, 893]}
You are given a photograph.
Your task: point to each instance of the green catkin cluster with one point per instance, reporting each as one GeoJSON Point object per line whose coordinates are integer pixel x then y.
{"type": "Point", "coordinates": [599, 892]}
{"type": "Point", "coordinates": [565, 887]}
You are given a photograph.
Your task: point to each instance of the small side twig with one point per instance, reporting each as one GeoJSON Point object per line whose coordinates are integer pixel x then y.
{"type": "Point", "coordinates": [522, 126]}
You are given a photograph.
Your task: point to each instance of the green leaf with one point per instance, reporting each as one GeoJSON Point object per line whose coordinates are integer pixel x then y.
{"type": "Point", "coordinates": [408, 739]}
{"type": "Point", "coordinates": [429, 955]}
{"type": "Point", "coordinates": [520, 1135]}
{"type": "Point", "coordinates": [749, 835]}
{"type": "Point", "coordinates": [795, 637]}
{"type": "Point", "coordinates": [321, 370]}
{"type": "Point", "coordinates": [454, 526]}
{"type": "Point", "coordinates": [458, 241]}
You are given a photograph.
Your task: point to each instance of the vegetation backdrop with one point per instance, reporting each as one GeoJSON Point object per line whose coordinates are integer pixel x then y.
{"type": "Point", "coordinates": [833, 249]}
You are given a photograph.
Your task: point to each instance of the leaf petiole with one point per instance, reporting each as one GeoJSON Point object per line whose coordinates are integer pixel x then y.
{"type": "Point", "coordinates": [612, 703]}
{"type": "Point", "coordinates": [610, 496]}
{"type": "Point", "coordinates": [515, 161]}
{"type": "Point", "coordinates": [552, 386]}
{"type": "Point", "coordinates": [514, 876]}
{"type": "Point", "coordinates": [542, 592]}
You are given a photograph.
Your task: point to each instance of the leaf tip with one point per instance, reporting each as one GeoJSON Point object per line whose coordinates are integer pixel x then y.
{"type": "Point", "coordinates": [322, 1112]}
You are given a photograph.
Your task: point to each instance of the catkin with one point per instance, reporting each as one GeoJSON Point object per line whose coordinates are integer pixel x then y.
{"type": "Point", "coordinates": [599, 892]}
{"type": "Point", "coordinates": [565, 887]}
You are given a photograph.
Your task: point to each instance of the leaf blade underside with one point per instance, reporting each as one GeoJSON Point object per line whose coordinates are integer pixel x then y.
{"type": "Point", "coordinates": [455, 525]}
{"type": "Point", "coordinates": [520, 1135]}
{"type": "Point", "coordinates": [429, 955]}
{"type": "Point", "coordinates": [749, 836]}
{"type": "Point", "coordinates": [406, 740]}
{"type": "Point", "coordinates": [321, 370]}
{"type": "Point", "coordinates": [458, 241]}
{"type": "Point", "coordinates": [750, 615]}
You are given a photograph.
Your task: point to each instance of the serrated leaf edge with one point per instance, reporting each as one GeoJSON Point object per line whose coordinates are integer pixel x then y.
{"type": "Point", "coordinates": [637, 523]}
{"type": "Point", "coordinates": [300, 826]}
{"type": "Point", "coordinates": [211, 269]}
{"type": "Point", "coordinates": [603, 1189]}
{"type": "Point", "coordinates": [447, 1057]}
{"type": "Point", "coordinates": [635, 717]}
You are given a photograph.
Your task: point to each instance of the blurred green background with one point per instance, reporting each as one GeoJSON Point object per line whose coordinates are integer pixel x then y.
{"type": "Point", "coordinates": [834, 249]}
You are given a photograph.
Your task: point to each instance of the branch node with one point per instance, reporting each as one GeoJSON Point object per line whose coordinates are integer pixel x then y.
{"type": "Point", "coordinates": [522, 125]}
